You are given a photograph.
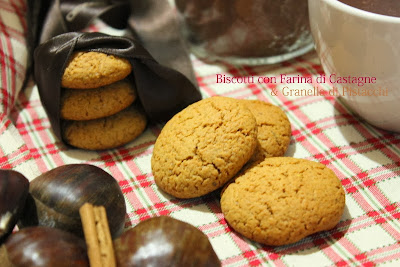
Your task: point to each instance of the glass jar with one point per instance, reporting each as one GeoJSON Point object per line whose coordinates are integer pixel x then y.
{"type": "Point", "coordinates": [246, 32]}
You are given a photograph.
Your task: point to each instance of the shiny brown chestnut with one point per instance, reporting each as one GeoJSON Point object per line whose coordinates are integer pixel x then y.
{"type": "Point", "coordinates": [56, 196]}
{"type": "Point", "coordinates": [43, 247]}
{"type": "Point", "coordinates": [164, 241]}
{"type": "Point", "coordinates": [14, 188]}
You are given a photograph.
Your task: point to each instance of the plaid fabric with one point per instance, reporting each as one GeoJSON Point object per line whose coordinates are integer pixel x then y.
{"type": "Point", "coordinates": [366, 159]}
{"type": "Point", "coordinates": [14, 154]}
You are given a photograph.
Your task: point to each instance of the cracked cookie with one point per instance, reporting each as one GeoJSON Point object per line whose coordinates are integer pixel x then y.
{"type": "Point", "coordinates": [282, 200]}
{"type": "Point", "coordinates": [97, 103]}
{"type": "Point", "coordinates": [274, 129]}
{"type": "Point", "coordinates": [108, 132]}
{"type": "Point", "coordinates": [203, 146]}
{"type": "Point", "coordinates": [86, 70]}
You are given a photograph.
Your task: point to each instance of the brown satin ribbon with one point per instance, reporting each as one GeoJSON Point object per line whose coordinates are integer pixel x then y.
{"type": "Point", "coordinates": [162, 91]}
{"type": "Point", "coordinates": [69, 16]}
{"type": "Point", "coordinates": [156, 24]}
{"type": "Point", "coordinates": [153, 22]}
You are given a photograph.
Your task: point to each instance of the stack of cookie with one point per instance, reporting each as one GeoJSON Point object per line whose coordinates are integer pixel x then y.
{"type": "Point", "coordinates": [98, 102]}
{"type": "Point", "coordinates": [239, 145]}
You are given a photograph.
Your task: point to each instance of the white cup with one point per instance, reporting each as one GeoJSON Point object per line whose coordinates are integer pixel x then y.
{"type": "Point", "coordinates": [356, 43]}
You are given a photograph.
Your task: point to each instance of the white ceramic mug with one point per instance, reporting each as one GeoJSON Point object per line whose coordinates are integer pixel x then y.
{"type": "Point", "coordinates": [356, 43]}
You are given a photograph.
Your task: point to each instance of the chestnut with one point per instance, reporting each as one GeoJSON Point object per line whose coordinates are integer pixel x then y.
{"type": "Point", "coordinates": [164, 241]}
{"type": "Point", "coordinates": [14, 188]}
{"type": "Point", "coordinates": [56, 196]}
{"type": "Point", "coordinates": [44, 246]}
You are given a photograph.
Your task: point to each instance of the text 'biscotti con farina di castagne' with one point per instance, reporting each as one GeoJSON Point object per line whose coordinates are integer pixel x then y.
{"type": "Point", "coordinates": [320, 85]}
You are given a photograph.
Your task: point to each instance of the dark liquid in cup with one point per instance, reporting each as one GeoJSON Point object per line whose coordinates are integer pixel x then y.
{"type": "Point", "coordinates": [383, 7]}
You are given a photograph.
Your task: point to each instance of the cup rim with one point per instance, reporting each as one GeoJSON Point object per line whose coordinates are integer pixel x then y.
{"type": "Point", "coordinates": [361, 13]}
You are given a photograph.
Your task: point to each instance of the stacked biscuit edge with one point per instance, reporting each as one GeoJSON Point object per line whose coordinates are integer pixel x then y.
{"type": "Point", "coordinates": [99, 105]}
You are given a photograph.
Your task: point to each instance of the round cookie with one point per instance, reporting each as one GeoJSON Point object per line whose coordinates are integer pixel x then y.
{"type": "Point", "coordinates": [97, 103]}
{"type": "Point", "coordinates": [282, 200]}
{"type": "Point", "coordinates": [274, 129]}
{"type": "Point", "coordinates": [105, 133]}
{"type": "Point", "coordinates": [203, 146]}
{"type": "Point", "coordinates": [87, 70]}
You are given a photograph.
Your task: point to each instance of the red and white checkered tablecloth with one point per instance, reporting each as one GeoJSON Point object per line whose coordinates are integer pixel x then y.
{"type": "Point", "coordinates": [366, 159]}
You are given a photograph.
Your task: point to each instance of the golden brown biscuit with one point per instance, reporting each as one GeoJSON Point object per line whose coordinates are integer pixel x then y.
{"type": "Point", "coordinates": [203, 146]}
{"type": "Point", "coordinates": [274, 129]}
{"type": "Point", "coordinates": [86, 70]}
{"type": "Point", "coordinates": [105, 133]}
{"type": "Point", "coordinates": [282, 200]}
{"type": "Point", "coordinates": [97, 103]}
